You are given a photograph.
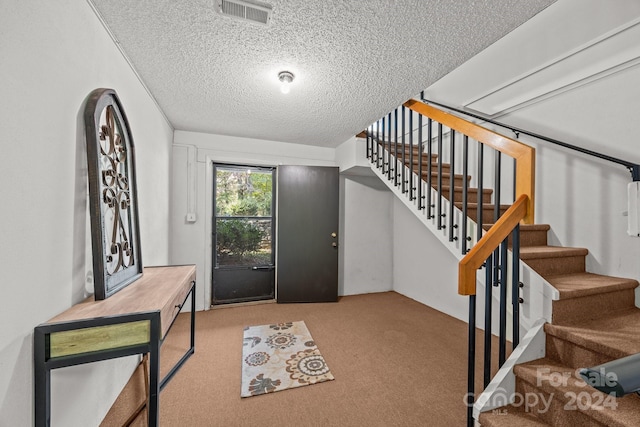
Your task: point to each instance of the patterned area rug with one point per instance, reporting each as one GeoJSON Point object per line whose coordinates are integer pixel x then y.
{"type": "Point", "coordinates": [280, 356]}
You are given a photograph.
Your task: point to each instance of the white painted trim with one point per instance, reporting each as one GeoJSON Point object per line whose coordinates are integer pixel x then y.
{"type": "Point", "coordinates": [559, 91]}
{"type": "Point", "coordinates": [591, 68]}
{"type": "Point", "coordinates": [128, 61]}
{"type": "Point", "coordinates": [502, 388]}
{"type": "Point", "coordinates": [192, 187]}
{"type": "Point", "coordinates": [208, 231]}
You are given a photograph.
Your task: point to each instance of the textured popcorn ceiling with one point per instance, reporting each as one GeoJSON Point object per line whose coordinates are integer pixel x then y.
{"type": "Point", "coordinates": [353, 60]}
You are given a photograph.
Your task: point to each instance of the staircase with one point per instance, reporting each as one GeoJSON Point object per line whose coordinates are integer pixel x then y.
{"type": "Point", "coordinates": [594, 321]}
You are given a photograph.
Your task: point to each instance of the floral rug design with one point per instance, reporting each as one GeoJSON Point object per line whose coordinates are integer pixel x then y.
{"type": "Point", "coordinates": [280, 356]}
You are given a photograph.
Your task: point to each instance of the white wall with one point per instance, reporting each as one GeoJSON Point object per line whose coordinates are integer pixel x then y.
{"type": "Point", "coordinates": [586, 54]}
{"type": "Point", "coordinates": [366, 244]}
{"type": "Point", "coordinates": [53, 55]}
{"type": "Point", "coordinates": [423, 269]}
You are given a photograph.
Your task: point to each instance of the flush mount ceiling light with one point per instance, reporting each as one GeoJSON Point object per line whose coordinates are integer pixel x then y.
{"type": "Point", "coordinates": [286, 78]}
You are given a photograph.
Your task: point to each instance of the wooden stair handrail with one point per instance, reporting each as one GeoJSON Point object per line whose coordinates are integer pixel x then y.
{"type": "Point", "coordinates": [522, 153]}
{"type": "Point", "coordinates": [487, 244]}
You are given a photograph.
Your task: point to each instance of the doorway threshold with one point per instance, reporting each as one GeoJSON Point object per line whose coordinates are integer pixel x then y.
{"type": "Point", "coordinates": [242, 304]}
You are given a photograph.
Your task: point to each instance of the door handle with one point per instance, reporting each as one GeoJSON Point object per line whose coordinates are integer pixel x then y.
{"type": "Point", "coordinates": [266, 267]}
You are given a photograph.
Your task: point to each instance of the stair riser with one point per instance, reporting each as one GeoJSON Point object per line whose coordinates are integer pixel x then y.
{"type": "Point", "coordinates": [424, 157]}
{"type": "Point", "coordinates": [573, 355]}
{"type": "Point", "coordinates": [581, 309]}
{"type": "Point", "coordinates": [487, 215]}
{"type": "Point", "coordinates": [446, 167]}
{"type": "Point", "coordinates": [407, 150]}
{"type": "Point", "coordinates": [527, 237]}
{"type": "Point", "coordinates": [552, 266]}
{"type": "Point", "coordinates": [472, 196]}
{"type": "Point", "coordinates": [446, 180]}
{"type": "Point", "coordinates": [532, 238]}
{"type": "Point", "coordinates": [553, 409]}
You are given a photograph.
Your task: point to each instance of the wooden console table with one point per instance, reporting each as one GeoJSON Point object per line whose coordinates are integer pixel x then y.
{"type": "Point", "coordinates": [133, 321]}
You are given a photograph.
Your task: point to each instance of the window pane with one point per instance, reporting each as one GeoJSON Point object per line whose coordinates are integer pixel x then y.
{"type": "Point", "coordinates": [243, 242]}
{"type": "Point", "coordinates": [243, 192]}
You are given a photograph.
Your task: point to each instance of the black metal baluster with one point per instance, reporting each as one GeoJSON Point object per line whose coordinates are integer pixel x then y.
{"type": "Point", "coordinates": [452, 182]}
{"type": "Point", "coordinates": [378, 142]}
{"type": "Point", "coordinates": [515, 286]}
{"type": "Point", "coordinates": [388, 155]}
{"type": "Point", "coordinates": [465, 192]}
{"type": "Point", "coordinates": [488, 303]}
{"type": "Point", "coordinates": [429, 152]}
{"type": "Point", "coordinates": [502, 347]}
{"type": "Point", "coordinates": [439, 201]}
{"type": "Point", "coordinates": [373, 141]}
{"type": "Point", "coordinates": [385, 164]}
{"type": "Point", "coordinates": [395, 144]}
{"type": "Point", "coordinates": [471, 361]}
{"type": "Point", "coordinates": [395, 149]}
{"type": "Point", "coordinates": [411, 156]}
{"type": "Point", "coordinates": [480, 190]}
{"type": "Point", "coordinates": [404, 152]}
{"type": "Point", "coordinates": [420, 159]}
{"type": "Point", "coordinates": [498, 196]}
{"type": "Point", "coordinates": [498, 259]}
{"type": "Point", "coordinates": [488, 265]}
{"type": "Point", "coordinates": [369, 151]}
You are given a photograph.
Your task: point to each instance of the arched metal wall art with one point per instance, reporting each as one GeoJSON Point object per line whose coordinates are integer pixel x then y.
{"type": "Point", "coordinates": [115, 233]}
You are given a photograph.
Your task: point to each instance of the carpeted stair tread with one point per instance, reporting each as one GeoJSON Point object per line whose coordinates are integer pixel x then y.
{"type": "Point", "coordinates": [510, 416]}
{"type": "Point", "coordinates": [540, 252]}
{"type": "Point", "coordinates": [525, 227]}
{"type": "Point", "coordinates": [615, 335]}
{"type": "Point", "coordinates": [584, 284]}
{"type": "Point", "coordinates": [563, 383]}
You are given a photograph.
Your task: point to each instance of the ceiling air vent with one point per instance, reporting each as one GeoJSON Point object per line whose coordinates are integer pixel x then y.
{"type": "Point", "coordinates": [246, 10]}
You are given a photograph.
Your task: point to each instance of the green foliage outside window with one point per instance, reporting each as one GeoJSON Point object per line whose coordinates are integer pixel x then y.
{"type": "Point", "coordinates": [237, 237]}
{"type": "Point", "coordinates": [243, 193]}
{"type": "Point", "coordinates": [240, 193]}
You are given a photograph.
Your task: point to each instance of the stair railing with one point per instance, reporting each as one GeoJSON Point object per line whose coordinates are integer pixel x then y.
{"type": "Point", "coordinates": [438, 190]}
{"type": "Point", "coordinates": [633, 168]}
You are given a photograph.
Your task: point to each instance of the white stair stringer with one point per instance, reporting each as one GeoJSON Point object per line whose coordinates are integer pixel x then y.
{"type": "Point", "coordinates": [537, 293]}
{"type": "Point", "coordinates": [501, 391]}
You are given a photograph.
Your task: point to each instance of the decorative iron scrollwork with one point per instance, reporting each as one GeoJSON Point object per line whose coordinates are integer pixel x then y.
{"type": "Point", "coordinates": [112, 194]}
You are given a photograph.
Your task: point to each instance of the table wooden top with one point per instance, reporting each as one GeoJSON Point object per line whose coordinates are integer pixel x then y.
{"type": "Point", "coordinates": [159, 289]}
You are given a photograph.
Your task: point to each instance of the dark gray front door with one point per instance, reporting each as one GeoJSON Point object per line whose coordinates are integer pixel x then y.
{"type": "Point", "coordinates": [244, 268]}
{"type": "Point", "coordinates": [307, 234]}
